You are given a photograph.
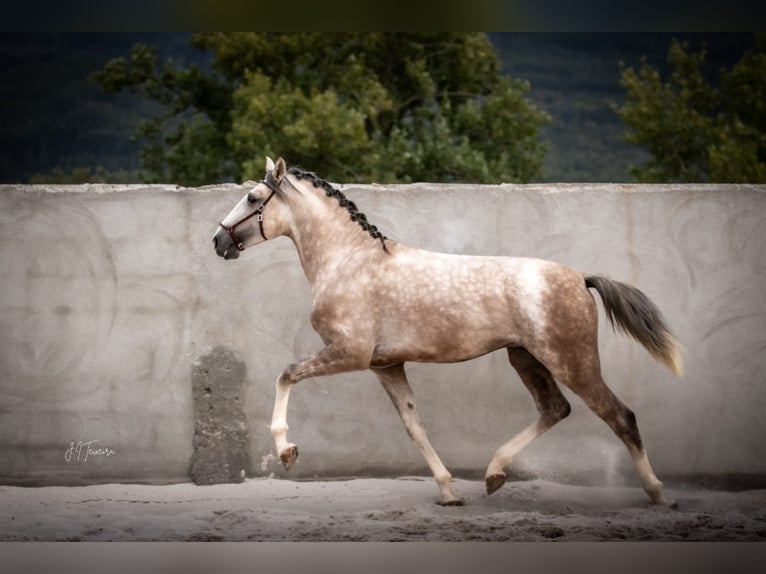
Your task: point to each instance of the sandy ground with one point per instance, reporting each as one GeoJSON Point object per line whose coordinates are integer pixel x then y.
{"type": "Point", "coordinates": [373, 510]}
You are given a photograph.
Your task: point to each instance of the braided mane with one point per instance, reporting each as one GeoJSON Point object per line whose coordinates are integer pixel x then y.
{"type": "Point", "coordinates": [330, 191]}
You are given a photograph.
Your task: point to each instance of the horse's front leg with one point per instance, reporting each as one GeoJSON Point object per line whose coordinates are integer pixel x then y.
{"type": "Point", "coordinates": [394, 381]}
{"type": "Point", "coordinates": [334, 358]}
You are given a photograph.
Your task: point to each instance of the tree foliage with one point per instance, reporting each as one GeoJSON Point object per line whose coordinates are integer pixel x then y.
{"type": "Point", "coordinates": [694, 131]}
{"type": "Point", "coordinates": [354, 107]}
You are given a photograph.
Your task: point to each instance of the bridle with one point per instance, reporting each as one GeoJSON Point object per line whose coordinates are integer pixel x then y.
{"type": "Point", "coordinates": [269, 182]}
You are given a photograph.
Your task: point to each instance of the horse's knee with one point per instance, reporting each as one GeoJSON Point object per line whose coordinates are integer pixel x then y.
{"type": "Point", "coordinates": [287, 378]}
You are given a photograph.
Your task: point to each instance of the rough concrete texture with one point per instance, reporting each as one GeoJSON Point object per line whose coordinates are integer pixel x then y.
{"type": "Point", "coordinates": [221, 434]}
{"type": "Point", "coordinates": [110, 295]}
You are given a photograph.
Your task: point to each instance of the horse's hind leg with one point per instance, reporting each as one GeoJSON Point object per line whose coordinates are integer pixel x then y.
{"type": "Point", "coordinates": [602, 401]}
{"type": "Point", "coordinates": [550, 403]}
{"type": "Point", "coordinates": [395, 383]}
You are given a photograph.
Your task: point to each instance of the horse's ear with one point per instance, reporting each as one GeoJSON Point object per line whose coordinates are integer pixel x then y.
{"type": "Point", "coordinates": [280, 169]}
{"type": "Point", "coordinates": [269, 164]}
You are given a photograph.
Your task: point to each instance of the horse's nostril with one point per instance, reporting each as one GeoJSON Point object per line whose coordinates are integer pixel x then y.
{"type": "Point", "coordinates": [215, 243]}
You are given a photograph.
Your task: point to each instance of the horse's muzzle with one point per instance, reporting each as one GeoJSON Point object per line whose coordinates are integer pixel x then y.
{"type": "Point", "coordinates": [224, 246]}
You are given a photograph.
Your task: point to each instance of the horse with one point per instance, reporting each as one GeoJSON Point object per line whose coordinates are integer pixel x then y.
{"type": "Point", "coordinates": [378, 303]}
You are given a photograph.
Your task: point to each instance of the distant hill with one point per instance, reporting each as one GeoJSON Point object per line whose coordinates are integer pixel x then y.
{"type": "Point", "coordinates": [575, 78]}
{"type": "Point", "coordinates": [51, 117]}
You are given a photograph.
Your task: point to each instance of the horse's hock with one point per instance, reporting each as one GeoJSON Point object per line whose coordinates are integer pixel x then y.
{"type": "Point", "coordinates": [130, 352]}
{"type": "Point", "coordinates": [221, 433]}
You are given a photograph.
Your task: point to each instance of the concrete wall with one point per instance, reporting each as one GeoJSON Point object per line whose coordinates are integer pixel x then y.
{"type": "Point", "coordinates": [110, 296]}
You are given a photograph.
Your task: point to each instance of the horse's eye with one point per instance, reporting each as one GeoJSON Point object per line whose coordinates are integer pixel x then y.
{"type": "Point", "coordinates": [251, 198]}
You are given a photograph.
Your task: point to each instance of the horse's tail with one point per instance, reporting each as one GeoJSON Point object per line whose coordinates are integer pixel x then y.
{"type": "Point", "coordinates": [632, 312]}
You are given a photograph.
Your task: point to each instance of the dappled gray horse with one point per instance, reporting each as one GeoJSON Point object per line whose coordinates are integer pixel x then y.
{"type": "Point", "coordinates": [378, 303]}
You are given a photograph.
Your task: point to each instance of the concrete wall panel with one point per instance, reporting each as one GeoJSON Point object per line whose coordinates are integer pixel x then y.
{"type": "Point", "coordinates": [111, 295]}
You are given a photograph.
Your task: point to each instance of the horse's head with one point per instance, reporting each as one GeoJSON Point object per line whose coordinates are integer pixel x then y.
{"type": "Point", "coordinates": [257, 217]}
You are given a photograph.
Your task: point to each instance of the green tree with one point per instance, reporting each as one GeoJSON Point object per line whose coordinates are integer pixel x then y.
{"type": "Point", "coordinates": [696, 132]}
{"type": "Point", "coordinates": [354, 107]}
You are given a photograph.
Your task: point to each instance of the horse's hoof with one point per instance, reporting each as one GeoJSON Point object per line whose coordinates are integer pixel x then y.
{"type": "Point", "coordinates": [658, 497]}
{"type": "Point", "coordinates": [494, 482]}
{"type": "Point", "coordinates": [455, 502]}
{"type": "Point", "coordinates": [288, 456]}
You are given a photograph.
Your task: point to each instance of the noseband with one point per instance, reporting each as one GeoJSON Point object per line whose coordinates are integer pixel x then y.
{"type": "Point", "coordinates": [269, 182]}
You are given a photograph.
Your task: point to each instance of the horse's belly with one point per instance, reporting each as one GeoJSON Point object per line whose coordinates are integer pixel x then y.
{"type": "Point", "coordinates": [434, 346]}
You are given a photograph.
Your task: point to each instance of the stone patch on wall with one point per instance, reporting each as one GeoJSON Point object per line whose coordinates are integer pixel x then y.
{"type": "Point", "coordinates": [221, 433]}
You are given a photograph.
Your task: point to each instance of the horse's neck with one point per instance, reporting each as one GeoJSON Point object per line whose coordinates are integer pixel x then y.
{"type": "Point", "coordinates": [324, 236]}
